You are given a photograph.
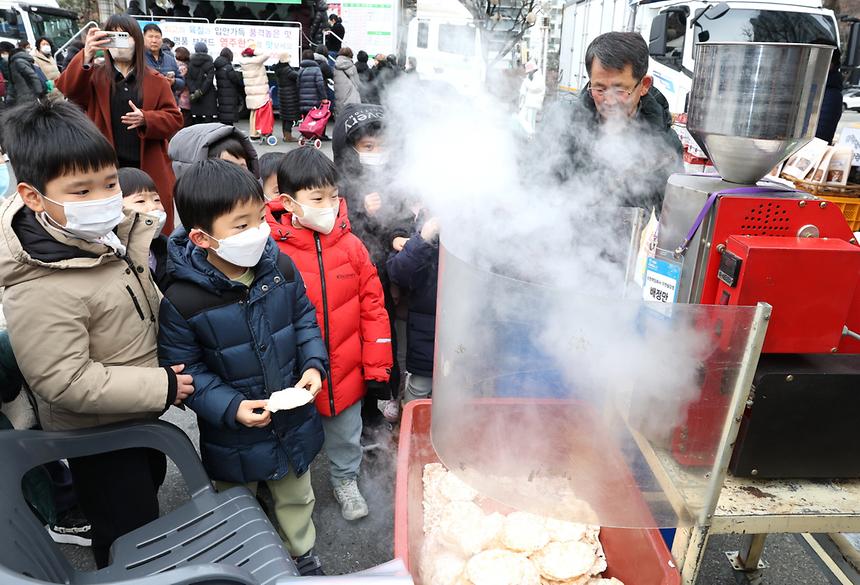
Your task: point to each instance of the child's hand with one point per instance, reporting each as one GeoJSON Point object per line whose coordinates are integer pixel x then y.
{"type": "Point", "coordinates": [184, 384]}
{"type": "Point", "coordinates": [312, 380]}
{"type": "Point", "coordinates": [372, 203]}
{"type": "Point", "coordinates": [246, 415]}
{"type": "Point", "coordinates": [399, 243]}
{"type": "Point", "coordinates": [430, 231]}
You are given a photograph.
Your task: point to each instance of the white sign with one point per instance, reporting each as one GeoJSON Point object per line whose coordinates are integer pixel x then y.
{"type": "Point", "coordinates": [370, 25]}
{"type": "Point", "coordinates": [661, 281]}
{"type": "Point", "coordinates": [270, 40]}
{"type": "Point", "coordinates": [851, 137]}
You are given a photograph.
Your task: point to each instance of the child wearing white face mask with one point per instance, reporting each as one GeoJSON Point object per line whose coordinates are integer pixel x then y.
{"type": "Point", "coordinates": [237, 315]}
{"type": "Point", "coordinates": [310, 224]}
{"type": "Point", "coordinates": [378, 216]}
{"type": "Point", "coordinates": [82, 312]}
{"type": "Point", "coordinates": [140, 195]}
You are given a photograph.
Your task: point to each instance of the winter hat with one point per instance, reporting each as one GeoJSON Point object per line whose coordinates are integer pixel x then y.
{"type": "Point", "coordinates": [351, 123]}
{"type": "Point", "coordinates": [284, 57]}
{"type": "Point", "coordinates": [249, 52]}
{"type": "Point", "coordinates": [200, 47]}
{"type": "Point", "coordinates": [531, 66]}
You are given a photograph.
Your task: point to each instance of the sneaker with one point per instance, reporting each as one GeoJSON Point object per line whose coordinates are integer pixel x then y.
{"type": "Point", "coordinates": [352, 503]}
{"type": "Point", "coordinates": [71, 528]}
{"type": "Point", "coordinates": [390, 410]}
{"type": "Point", "coordinates": [309, 564]}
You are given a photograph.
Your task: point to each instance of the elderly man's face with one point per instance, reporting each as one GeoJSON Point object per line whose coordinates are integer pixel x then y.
{"type": "Point", "coordinates": [152, 38]}
{"type": "Point", "coordinates": [616, 92]}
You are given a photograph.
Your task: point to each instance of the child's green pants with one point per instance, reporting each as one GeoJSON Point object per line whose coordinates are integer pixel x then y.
{"type": "Point", "coordinates": [294, 504]}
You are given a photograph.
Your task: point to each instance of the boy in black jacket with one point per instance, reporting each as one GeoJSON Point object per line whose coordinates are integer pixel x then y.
{"type": "Point", "coordinates": [415, 269]}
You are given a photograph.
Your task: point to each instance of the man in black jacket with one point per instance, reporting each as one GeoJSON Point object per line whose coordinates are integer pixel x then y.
{"type": "Point", "coordinates": [621, 103]}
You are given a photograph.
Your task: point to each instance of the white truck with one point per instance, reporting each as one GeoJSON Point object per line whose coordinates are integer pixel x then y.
{"type": "Point", "coordinates": [30, 20]}
{"type": "Point", "coordinates": [673, 27]}
{"type": "Point", "coordinates": [445, 44]}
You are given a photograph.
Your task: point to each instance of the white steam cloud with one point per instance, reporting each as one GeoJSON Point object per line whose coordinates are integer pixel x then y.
{"type": "Point", "coordinates": [532, 305]}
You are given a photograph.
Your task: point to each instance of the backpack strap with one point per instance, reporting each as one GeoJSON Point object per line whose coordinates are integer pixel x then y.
{"type": "Point", "coordinates": [191, 299]}
{"type": "Point", "coordinates": [287, 268]}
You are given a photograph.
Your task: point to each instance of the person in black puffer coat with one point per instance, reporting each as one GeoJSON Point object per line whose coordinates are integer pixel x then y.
{"type": "Point", "coordinates": [26, 85]}
{"type": "Point", "coordinates": [365, 75]}
{"type": "Point", "coordinates": [200, 81]}
{"type": "Point", "coordinates": [231, 88]}
{"type": "Point", "coordinates": [320, 21]}
{"type": "Point", "coordinates": [288, 95]}
{"type": "Point", "coordinates": [6, 50]}
{"type": "Point", "coordinates": [312, 88]}
{"type": "Point", "coordinates": [415, 269]}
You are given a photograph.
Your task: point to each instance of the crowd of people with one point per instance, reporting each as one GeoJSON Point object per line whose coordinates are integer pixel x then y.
{"type": "Point", "coordinates": [221, 89]}
{"type": "Point", "coordinates": [168, 265]}
{"type": "Point", "coordinates": [154, 227]}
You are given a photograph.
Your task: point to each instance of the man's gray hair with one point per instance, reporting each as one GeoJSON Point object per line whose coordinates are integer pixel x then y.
{"type": "Point", "coordinates": [615, 50]}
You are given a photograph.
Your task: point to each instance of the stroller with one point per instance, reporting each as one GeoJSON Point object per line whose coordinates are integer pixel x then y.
{"type": "Point", "coordinates": [312, 126]}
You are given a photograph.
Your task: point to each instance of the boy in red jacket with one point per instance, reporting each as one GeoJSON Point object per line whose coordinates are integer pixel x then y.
{"type": "Point", "coordinates": [309, 222]}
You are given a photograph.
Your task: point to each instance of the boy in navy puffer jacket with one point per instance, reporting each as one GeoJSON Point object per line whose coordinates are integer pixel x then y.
{"type": "Point", "coordinates": [238, 317]}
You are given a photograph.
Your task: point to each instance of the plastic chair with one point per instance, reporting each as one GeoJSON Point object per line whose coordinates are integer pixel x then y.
{"type": "Point", "coordinates": [180, 548]}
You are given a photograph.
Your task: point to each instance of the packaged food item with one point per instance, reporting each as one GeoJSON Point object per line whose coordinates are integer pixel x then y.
{"type": "Point", "coordinates": [840, 166]}
{"type": "Point", "coordinates": [820, 173]}
{"type": "Point", "coordinates": [776, 171]}
{"type": "Point", "coordinates": [804, 162]}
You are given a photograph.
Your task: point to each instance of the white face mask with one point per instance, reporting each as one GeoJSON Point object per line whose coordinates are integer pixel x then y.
{"type": "Point", "coordinates": [320, 219]}
{"type": "Point", "coordinates": [91, 220]}
{"type": "Point", "coordinates": [161, 218]}
{"type": "Point", "coordinates": [373, 159]}
{"type": "Point", "coordinates": [46, 49]}
{"type": "Point", "coordinates": [124, 55]}
{"type": "Point", "coordinates": [245, 248]}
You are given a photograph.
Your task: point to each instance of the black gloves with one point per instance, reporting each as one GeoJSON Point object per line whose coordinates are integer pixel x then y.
{"type": "Point", "coordinates": [378, 390]}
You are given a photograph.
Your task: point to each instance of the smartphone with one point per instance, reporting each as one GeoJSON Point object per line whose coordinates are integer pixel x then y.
{"type": "Point", "coordinates": [116, 40]}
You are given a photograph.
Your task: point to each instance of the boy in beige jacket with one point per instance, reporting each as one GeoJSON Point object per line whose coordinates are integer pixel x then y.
{"type": "Point", "coordinates": [82, 308]}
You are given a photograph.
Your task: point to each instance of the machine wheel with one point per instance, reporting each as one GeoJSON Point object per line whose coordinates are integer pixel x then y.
{"type": "Point", "coordinates": [317, 143]}
{"type": "Point", "coordinates": [271, 140]}
{"type": "Point", "coordinates": [302, 141]}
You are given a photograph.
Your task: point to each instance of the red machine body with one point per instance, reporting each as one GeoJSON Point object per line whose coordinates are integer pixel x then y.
{"type": "Point", "coordinates": [813, 285]}
{"type": "Point", "coordinates": [763, 216]}
{"type": "Point", "coordinates": [809, 282]}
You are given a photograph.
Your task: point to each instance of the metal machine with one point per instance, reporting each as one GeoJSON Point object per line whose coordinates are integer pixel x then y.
{"type": "Point", "coordinates": [735, 240]}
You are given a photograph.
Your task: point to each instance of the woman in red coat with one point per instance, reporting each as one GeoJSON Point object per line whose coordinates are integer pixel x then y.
{"type": "Point", "coordinates": [310, 225]}
{"type": "Point", "coordinates": [130, 103]}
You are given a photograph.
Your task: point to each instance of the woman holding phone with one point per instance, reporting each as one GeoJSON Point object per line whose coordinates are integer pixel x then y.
{"type": "Point", "coordinates": [129, 102]}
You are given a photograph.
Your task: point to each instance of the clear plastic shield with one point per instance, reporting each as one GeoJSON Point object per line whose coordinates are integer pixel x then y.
{"type": "Point", "coordinates": [587, 409]}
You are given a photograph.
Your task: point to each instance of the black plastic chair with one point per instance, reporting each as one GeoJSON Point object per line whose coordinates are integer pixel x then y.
{"type": "Point", "coordinates": [215, 538]}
